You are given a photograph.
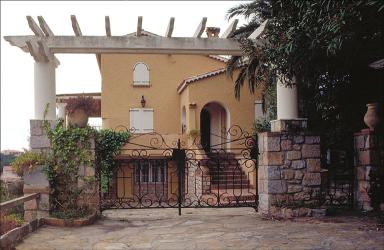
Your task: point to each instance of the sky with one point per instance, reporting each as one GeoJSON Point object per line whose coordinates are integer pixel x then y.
{"type": "Point", "coordinates": [79, 73]}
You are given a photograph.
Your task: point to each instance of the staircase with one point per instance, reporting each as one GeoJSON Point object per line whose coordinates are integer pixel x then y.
{"type": "Point", "coordinates": [225, 172]}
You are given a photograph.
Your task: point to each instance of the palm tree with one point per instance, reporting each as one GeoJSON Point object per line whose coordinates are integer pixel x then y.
{"type": "Point", "coordinates": [250, 64]}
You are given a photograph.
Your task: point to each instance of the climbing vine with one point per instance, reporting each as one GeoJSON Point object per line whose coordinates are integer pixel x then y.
{"type": "Point", "coordinates": [108, 144]}
{"type": "Point", "coordinates": [70, 151]}
{"type": "Point", "coordinates": [71, 155]}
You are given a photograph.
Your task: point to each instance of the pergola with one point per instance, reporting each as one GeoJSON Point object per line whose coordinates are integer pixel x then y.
{"type": "Point", "coordinates": [44, 44]}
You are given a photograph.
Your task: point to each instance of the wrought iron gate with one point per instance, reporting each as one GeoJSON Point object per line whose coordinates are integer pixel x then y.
{"type": "Point", "coordinates": [154, 171]}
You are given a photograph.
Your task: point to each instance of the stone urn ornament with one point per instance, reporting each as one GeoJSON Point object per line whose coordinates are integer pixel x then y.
{"type": "Point", "coordinates": [79, 109]}
{"type": "Point", "coordinates": [78, 118]}
{"type": "Point", "coordinates": [371, 117]}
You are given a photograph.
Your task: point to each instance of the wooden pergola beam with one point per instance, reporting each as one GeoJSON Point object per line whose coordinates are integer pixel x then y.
{"type": "Point", "coordinates": [35, 51]}
{"type": "Point", "coordinates": [169, 31]}
{"type": "Point", "coordinates": [107, 26]}
{"type": "Point", "coordinates": [139, 25]}
{"type": "Point", "coordinates": [229, 31]}
{"type": "Point", "coordinates": [132, 45]}
{"type": "Point", "coordinates": [44, 51]}
{"type": "Point", "coordinates": [200, 29]}
{"type": "Point", "coordinates": [75, 26]}
{"type": "Point", "coordinates": [34, 27]}
{"type": "Point", "coordinates": [259, 31]}
{"type": "Point", "coordinates": [44, 26]}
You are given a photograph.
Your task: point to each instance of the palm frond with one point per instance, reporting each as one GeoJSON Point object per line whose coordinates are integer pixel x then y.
{"type": "Point", "coordinates": [246, 10]}
{"type": "Point", "coordinates": [245, 30]}
{"type": "Point", "coordinates": [252, 9]}
{"type": "Point", "coordinates": [232, 64]}
{"type": "Point", "coordinates": [240, 82]}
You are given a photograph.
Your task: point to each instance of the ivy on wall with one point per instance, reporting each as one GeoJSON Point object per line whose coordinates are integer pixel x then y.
{"type": "Point", "coordinates": [108, 145]}
{"type": "Point", "coordinates": [70, 150]}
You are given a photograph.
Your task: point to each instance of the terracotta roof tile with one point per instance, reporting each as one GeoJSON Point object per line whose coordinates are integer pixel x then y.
{"type": "Point", "coordinates": [199, 77]}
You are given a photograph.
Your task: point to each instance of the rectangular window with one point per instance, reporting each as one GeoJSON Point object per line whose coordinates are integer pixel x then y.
{"type": "Point", "coordinates": [152, 171]}
{"type": "Point", "coordinates": [141, 120]}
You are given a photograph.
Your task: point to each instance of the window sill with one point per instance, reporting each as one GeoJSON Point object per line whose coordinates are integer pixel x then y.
{"type": "Point", "coordinates": [135, 85]}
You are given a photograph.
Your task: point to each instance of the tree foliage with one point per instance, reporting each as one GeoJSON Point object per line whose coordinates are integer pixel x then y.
{"type": "Point", "coordinates": [328, 46]}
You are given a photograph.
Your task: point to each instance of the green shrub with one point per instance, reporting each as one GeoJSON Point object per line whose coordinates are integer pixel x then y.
{"type": "Point", "coordinates": [9, 222]}
{"type": "Point", "coordinates": [27, 160]}
{"type": "Point", "coordinates": [108, 145]}
{"type": "Point", "coordinates": [4, 194]}
{"type": "Point", "coordinates": [71, 213]}
{"type": "Point", "coordinates": [261, 125]}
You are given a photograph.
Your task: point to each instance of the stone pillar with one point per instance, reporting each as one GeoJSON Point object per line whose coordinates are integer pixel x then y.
{"type": "Point", "coordinates": [35, 181]}
{"type": "Point", "coordinates": [287, 105]}
{"type": "Point", "coordinates": [289, 173]}
{"type": "Point", "coordinates": [39, 140]}
{"type": "Point", "coordinates": [369, 158]}
{"type": "Point", "coordinates": [45, 90]}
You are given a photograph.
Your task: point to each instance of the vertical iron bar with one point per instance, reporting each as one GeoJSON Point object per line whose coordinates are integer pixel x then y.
{"type": "Point", "coordinates": [179, 166]}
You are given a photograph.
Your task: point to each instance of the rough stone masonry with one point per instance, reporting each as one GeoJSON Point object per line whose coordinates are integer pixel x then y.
{"type": "Point", "coordinates": [289, 173]}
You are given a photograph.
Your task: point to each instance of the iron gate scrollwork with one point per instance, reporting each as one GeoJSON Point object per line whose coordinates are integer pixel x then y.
{"type": "Point", "coordinates": [156, 171]}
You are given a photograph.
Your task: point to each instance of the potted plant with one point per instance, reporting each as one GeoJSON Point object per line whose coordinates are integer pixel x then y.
{"type": "Point", "coordinates": [27, 161]}
{"type": "Point", "coordinates": [79, 109]}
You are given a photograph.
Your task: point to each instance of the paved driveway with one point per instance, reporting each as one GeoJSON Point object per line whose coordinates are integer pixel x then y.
{"type": "Point", "coordinates": [231, 228]}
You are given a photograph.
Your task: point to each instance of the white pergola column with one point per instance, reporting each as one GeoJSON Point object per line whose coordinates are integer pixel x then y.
{"type": "Point", "coordinates": [61, 110]}
{"type": "Point", "coordinates": [287, 108]}
{"type": "Point", "coordinates": [45, 90]}
{"type": "Point", "coordinates": [287, 105]}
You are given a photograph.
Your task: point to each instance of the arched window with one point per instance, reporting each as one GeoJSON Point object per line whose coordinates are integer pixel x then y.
{"type": "Point", "coordinates": [141, 74]}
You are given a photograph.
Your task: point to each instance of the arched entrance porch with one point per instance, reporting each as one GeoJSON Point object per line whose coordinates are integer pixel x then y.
{"type": "Point", "coordinates": [214, 122]}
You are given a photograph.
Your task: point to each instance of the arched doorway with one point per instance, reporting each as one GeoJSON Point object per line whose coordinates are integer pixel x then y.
{"type": "Point", "coordinates": [213, 126]}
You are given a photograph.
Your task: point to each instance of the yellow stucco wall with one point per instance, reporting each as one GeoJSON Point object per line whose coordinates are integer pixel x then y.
{"type": "Point", "coordinates": [220, 89]}
{"type": "Point", "coordinates": [166, 73]}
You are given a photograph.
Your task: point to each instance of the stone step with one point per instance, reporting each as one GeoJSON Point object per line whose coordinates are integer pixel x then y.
{"type": "Point", "coordinates": [230, 186]}
{"type": "Point", "coordinates": [224, 180]}
{"type": "Point", "coordinates": [221, 168]}
{"type": "Point", "coordinates": [229, 176]}
{"type": "Point", "coordinates": [226, 172]}
{"type": "Point", "coordinates": [223, 183]}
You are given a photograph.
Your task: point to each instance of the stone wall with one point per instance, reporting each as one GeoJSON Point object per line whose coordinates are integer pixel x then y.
{"type": "Point", "coordinates": [289, 173]}
{"type": "Point", "coordinates": [369, 153]}
{"type": "Point", "coordinates": [39, 140]}
{"type": "Point", "coordinates": [36, 181]}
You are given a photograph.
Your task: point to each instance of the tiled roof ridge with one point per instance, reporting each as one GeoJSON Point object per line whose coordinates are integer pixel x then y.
{"type": "Point", "coordinates": [198, 77]}
{"type": "Point", "coordinates": [219, 58]}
